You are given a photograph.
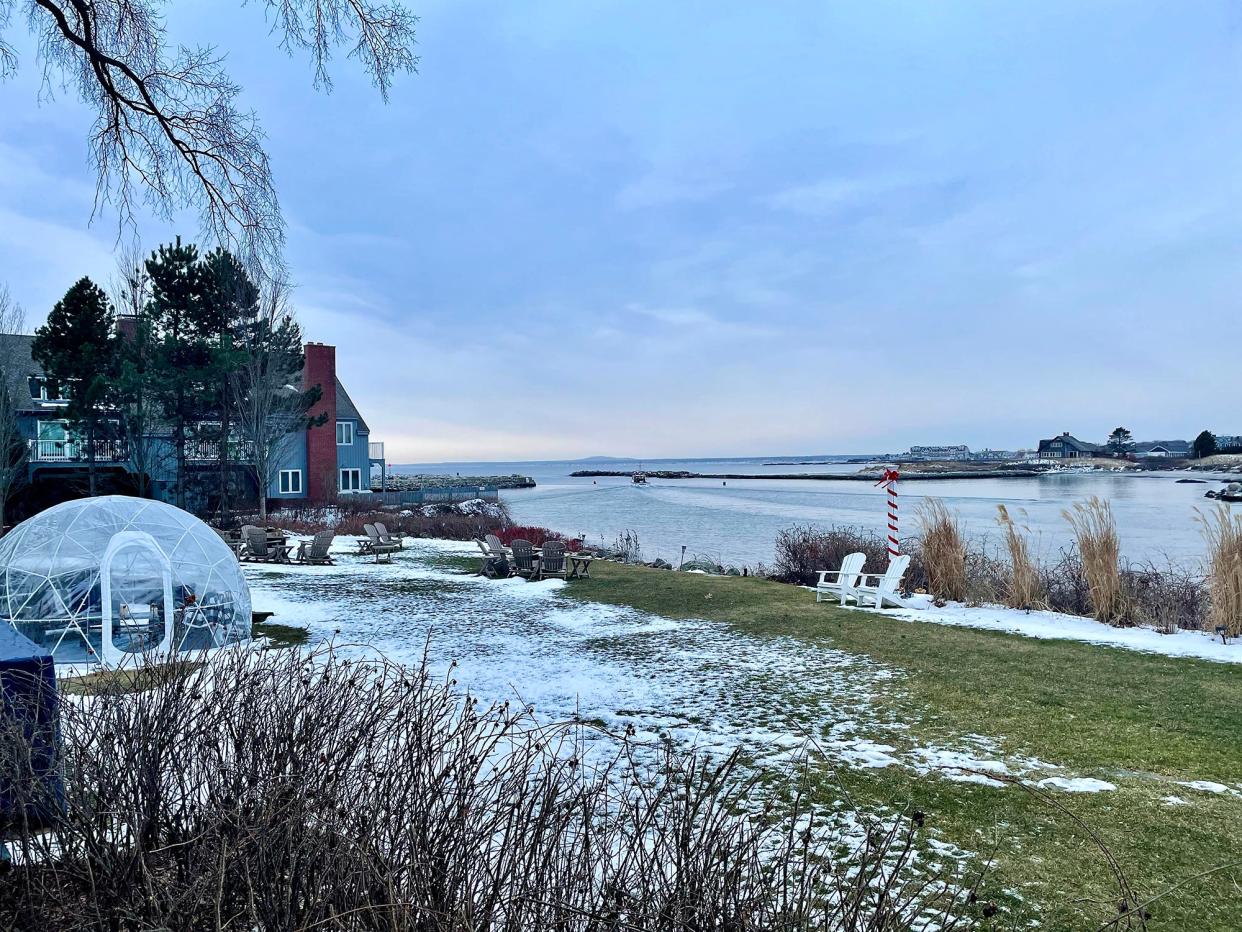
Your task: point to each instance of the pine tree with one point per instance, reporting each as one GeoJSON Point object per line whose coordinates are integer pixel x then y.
{"type": "Point", "coordinates": [1120, 440]}
{"type": "Point", "coordinates": [76, 349]}
{"type": "Point", "coordinates": [181, 367]}
{"type": "Point", "coordinates": [231, 301]}
{"type": "Point", "coordinates": [1204, 445]}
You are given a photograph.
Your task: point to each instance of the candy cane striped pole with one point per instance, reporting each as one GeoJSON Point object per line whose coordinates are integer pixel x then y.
{"type": "Point", "coordinates": [889, 481]}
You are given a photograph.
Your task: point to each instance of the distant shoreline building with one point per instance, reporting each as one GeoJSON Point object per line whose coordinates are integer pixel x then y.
{"type": "Point", "coordinates": [957, 451]}
{"type": "Point", "coordinates": [1068, 447]}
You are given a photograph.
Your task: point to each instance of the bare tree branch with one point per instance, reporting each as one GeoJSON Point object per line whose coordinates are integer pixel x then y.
{"type": "Point", "coordinates": [168, 131]}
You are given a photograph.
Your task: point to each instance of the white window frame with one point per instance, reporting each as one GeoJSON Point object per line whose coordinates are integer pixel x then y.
{"type": "Point", "coordinates": [287, 485]}
{"type": "Point", "coordinates": [339, 441]}
{"type": "Point", "coordinates": [342, 483]}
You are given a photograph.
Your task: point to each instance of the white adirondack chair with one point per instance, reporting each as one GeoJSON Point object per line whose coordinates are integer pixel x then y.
{"type": "Point", "coordinates": [843, 581]}
{"type": "Point", "coordinates": [887, 588]}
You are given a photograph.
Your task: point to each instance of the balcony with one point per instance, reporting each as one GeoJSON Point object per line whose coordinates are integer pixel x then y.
{"type": "Point", "coordinates": [117, 451]}
{"type": "Point", "coordinates": [76, 451]}
{"type": "Point", "coordinates": [375, 451]}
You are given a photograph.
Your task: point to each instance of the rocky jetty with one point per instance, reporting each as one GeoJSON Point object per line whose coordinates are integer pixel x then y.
{"type": "Point", "coordinates": [410, 483]}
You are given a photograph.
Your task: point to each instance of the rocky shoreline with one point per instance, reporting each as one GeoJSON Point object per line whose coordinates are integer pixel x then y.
{"type": "Point", "coordinates": [1015, 473]}
{"type": "Point", "coordinates": [413, 483]}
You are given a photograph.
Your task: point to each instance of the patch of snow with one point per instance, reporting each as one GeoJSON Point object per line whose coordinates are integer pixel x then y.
{"type": "Point", "coordinates": [1053, 625]}
{"type": "Point", "coordinates": [1173, 801]}
{"type": "Point", "coordinates": [1077, 784]}
{"type": "Point", "coordinates": [1208, 786]}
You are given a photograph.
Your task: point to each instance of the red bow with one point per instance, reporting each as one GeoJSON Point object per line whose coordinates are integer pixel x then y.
{"type": "Point", "coordinates": [890, 475]}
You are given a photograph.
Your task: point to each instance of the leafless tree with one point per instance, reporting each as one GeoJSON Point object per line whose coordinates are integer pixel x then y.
{"type": "Point", "coordinates": [271, 405]}
{"type": "Point", "coordinates": [138, 422]}
{"type": "Point", "coordinates": [12, 447]}
{"type": "Point", "coordinates": [168, 129]}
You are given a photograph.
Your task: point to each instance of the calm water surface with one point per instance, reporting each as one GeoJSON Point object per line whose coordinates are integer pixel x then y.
{"type": "Point", "coordinates": [738, 522]}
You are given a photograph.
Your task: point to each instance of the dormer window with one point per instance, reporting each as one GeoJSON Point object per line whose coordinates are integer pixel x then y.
{"type": "Point", "coordinates": [42, 390]}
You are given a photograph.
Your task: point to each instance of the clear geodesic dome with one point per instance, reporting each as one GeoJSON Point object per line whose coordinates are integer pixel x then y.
{"type": "Point", "coordinates": [110, 578]}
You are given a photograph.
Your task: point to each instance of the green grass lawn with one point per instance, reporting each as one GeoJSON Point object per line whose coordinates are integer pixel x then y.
{"type": "Point", "coordinates": [1139, 721]}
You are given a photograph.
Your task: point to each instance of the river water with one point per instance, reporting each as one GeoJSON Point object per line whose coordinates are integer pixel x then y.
{"type": "Point", "coordinates": [737, 522]}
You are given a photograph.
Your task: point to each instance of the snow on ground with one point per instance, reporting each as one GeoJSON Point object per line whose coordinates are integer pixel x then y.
{"type": "Point", "coordinates": [696, 683]}
{"type": "Point", "coordinates": [1071, 628]}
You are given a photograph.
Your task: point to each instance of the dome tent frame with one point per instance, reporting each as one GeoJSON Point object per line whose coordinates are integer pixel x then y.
{"type": "Point", "coordinates": [115, 579]}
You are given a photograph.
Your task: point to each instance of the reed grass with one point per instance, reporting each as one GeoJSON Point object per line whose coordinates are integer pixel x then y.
{"type": "Point", "coordinates": [1024, 587]}
{"type": "Point", "coordinates": [1099, 547]}
{"type": "Point", "coordinates": [943, 550]}
{"type": "Point", "coordinates": [1222, 532]}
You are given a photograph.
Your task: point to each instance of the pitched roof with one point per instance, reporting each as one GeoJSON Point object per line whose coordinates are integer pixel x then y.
{"type": "Point", "coordinates": [1072, 442]}
{"type": "Point", "coordinates": [19, 366]}
{"type": "Point", "coordinates": [345, 408]}
{"type": "Point", "coordinates": [1172, 446]}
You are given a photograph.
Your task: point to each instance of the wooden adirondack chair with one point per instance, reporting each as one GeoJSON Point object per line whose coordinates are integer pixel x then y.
{"type": "Point", "coordinates": [315, 552]}
{"type": "Point", "coordinates": [378, 548]}
{"type": "Point", "coordinates": [843, 582]}
{"type": "Point", "coordinates": [887, 587]}
{"type": "Point", "coordinates": [258, 550]}
{"type": "Point", "coordinates": [389, 538]}
{"type": "Point", "coordinates": [552, 560]}
{"type": "Point", "coordinates": [524, 563]}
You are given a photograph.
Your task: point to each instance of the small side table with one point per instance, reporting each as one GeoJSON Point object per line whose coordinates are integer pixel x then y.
{"type": "Point", "coordinates": [579, 565]}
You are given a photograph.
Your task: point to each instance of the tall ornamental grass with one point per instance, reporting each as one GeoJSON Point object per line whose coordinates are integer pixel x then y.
{"type": "Point", "coordinates": [1222, 532]}
{"type": "Point", "coordinates": [1024, 587]}
{"type": "Point", "coordinates": [943, 550]}
{"type": "Point", "coordinates": [1099, 547]}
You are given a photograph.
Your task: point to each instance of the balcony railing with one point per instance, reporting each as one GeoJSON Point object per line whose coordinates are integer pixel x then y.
{"type": "Point", "coordinates": [375, 449]}
{"type": "Point", "coordinates": [117, 451]}
{"type": "Point", "coordinates": [208, 451]}
{"type": "Point", "coordinates": [77, 451]}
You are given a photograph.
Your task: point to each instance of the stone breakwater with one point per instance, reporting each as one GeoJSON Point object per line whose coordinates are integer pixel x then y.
{"type": "Point", "coordinates": [855, 477]}
{"type": "Point", "coordinates": [411, 483]}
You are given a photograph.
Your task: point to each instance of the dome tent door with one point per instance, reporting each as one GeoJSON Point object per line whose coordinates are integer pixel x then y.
{"type": "Point", "coordinates": [136, 591]}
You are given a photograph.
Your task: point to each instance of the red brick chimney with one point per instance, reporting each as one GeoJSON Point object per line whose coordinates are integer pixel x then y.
{"type": "Point", "coordinates": [127, 327]}
{"type": "Point", "coordinates": [320, 369]}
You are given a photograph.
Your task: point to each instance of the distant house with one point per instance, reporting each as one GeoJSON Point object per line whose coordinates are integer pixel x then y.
{"type": "Point", "coordinates": [948, 452]}
{"type": "Point", "coordinates": [1228, 441]}
{"type": "Point", "coordinates": [1163, 448]}
{"type": "Point", "coordinates": [316, 465]}
{"type": "Point", "coordinates": [1066, 447]}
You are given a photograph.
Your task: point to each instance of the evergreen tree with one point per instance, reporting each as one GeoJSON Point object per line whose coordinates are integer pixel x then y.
{"type": "Point", "coordinates": [75, 348]}
{"type": "Point", "coordinates": [1120, 440]}
{"type": "Point", "coordinates": [181, 367]}
{"type": "Point", "coordinates": [230, 303]}
{"type": "Point", "coordinates": [1204, 445]}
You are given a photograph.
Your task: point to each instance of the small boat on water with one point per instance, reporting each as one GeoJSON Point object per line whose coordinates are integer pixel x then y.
{"type": "Point", "coordinates": [639, 478]}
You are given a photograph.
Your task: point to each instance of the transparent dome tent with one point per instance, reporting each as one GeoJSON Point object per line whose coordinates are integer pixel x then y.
{"type": "Point", "coordinates": [109, 579]}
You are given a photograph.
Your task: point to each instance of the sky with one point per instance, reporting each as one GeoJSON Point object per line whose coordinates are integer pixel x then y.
{"type": "Point", "coordinates": [648, 229]}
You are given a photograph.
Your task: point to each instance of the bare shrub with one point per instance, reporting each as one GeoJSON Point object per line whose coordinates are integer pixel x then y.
{"type": "Point", "coordinates": [1222, 532]}
{"type": "Point", "coordinates": [1023, 588]}
{"type": "Point", "coordinates": [1099, 548]}
{"type": "Point", "coordinates": [306, 790]}
{"type": "Point", "coordinates": [537, 536]}
{"type": "Point", "coordinates": [445, 522]}
{"type": "Point", "coordinates": [1165, 598]}
{"type": "Point", "coordinates": [943, 550]}
{"type": "Point", "coordinates": [801, 552]}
